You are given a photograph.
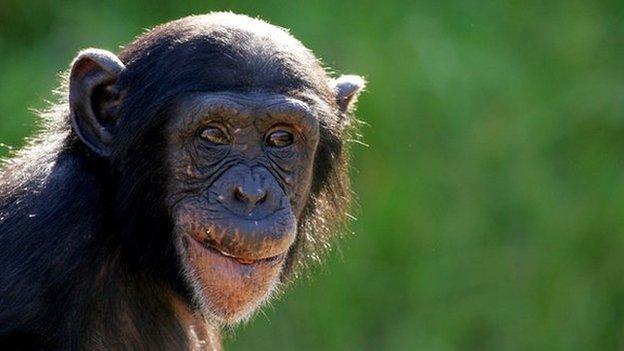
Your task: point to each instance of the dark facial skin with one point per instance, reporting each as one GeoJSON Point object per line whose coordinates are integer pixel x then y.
{"type": "Point", "coordinates": [241, 171]}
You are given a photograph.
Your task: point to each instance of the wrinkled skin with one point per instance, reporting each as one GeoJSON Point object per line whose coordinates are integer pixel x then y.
{"type": "Point", "coordinates": [236, 202]}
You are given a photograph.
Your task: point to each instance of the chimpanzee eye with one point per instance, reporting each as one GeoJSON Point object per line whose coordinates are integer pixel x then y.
{"type": "Point", "coordinates": [279, 138]}
{"type": "Point", "coordinates": [215, 135]}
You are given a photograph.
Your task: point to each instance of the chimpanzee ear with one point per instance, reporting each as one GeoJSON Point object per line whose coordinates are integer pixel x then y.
{"type": "Point", "coordinates": [348, 87]}
{"type": "Point", "coordinates": [93, 97]}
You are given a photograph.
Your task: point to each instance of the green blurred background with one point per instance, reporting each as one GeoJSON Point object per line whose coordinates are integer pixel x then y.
{"type": "Point", "coordinates": [491, 195]}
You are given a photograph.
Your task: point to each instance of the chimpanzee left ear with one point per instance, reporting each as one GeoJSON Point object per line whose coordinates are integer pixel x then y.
{"type": "Point", "coordinates": [347, 88]}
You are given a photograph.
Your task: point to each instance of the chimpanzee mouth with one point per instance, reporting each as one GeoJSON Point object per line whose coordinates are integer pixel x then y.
{"type": "Point", "coordinates": [241, 260]}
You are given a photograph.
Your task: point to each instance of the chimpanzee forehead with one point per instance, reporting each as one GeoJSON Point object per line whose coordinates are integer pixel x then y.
{"type": "Point", "coordinates": [240, 103]}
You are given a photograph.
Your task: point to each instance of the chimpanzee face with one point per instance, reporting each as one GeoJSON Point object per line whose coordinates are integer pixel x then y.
{"type": "Point", "coordinates": [241, 172]}
{"type": "Point", "coordinates": [211, 125]}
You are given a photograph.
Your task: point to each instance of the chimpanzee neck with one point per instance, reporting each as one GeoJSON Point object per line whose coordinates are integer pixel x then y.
{"type": "Point", "coordinates": [130, 312]}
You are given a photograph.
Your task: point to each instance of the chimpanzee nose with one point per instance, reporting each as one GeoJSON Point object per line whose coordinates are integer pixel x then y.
{"type": "Point", "coordinates": [250, 193]}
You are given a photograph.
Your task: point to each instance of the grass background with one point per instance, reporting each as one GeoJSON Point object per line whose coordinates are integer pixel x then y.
{"type": "Point", "coordinates": [491, 195]}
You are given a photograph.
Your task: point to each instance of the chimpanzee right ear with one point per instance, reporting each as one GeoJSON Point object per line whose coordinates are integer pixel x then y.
{"type": "Point", "coordinates": [93, 97]}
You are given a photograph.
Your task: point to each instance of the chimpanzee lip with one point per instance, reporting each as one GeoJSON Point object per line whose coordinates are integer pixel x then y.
{"type": "Point", "coordinates": [241, 260]}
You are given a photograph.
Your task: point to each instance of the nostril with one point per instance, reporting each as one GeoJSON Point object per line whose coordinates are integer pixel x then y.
{"type": "Point", "coordinates": [263, 197]}
{"type": "Point", "coordinates": [240, 194]}
{"type": "Point", "coordinates": [251, 196]}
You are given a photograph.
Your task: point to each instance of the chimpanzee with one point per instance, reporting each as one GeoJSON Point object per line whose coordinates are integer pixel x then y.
{"type": "Point", "coordinates": [174, 188]}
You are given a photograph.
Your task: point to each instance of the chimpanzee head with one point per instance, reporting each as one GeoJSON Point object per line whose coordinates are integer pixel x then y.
{"type": "Point", "coordinates": [225, 140]}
